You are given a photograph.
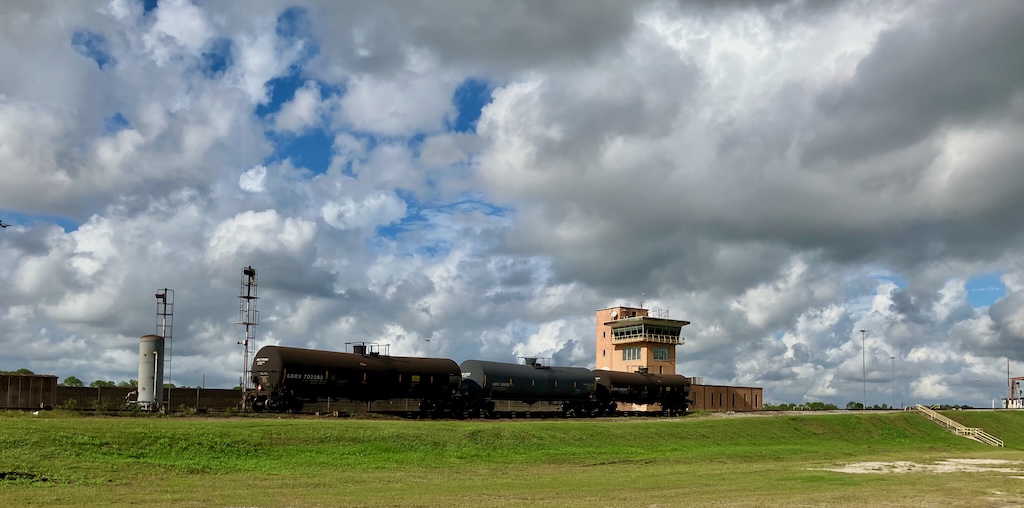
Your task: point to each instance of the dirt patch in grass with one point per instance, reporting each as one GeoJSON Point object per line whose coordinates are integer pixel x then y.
{"type": "Point", "coordinates": [942, 466]}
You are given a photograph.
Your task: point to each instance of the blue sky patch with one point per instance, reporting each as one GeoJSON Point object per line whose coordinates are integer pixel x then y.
{"type": "Point", "coordinates": [900, 283]}
{"type": "Point", "coordinates": [470, 98]}
{"type": "Point", "coordinates": [311, 150]}
{"type": "Point", "coordinates": [314, 148]}
{"type": "Point", "coordinates": [984, 290]}
{"type": "Point", "coordinates": [419, 218]}
{"type": "Point", "coordinates": [293, 23]}
{"type": "Point", "coordinates": [115, 124]}
{"type": "Point", "coordinates": [282, 89]}
{"type": "Point", "coordinates": [217, 58]}
{"type": "Point", "coordinates": [93, 46]}
{"type": "Point", "coordinates": [148, 5]}
{"type": "Point", "coordinates": [12, 217]}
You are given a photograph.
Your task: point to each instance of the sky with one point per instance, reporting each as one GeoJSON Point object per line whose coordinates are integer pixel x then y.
{"type": "Point", "coordinates": [472, 179]}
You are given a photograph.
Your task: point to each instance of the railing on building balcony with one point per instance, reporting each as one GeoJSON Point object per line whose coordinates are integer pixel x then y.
{"type": "Point", "coordinates": [645, 329]}
{"type": "Point", "coordinates": [662, 339]}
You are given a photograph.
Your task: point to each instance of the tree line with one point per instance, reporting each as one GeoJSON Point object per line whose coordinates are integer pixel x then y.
{"type": "Point", "coordinates": [98, 383]}
{"type": "Point", "coordinates": [806, 406]}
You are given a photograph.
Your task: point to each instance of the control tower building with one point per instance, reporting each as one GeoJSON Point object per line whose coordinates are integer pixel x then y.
{"type": "Point", "coordinates": [630, 339]}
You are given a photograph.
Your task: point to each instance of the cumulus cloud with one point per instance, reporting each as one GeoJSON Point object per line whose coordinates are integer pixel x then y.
{"type": "Point", "coordinates": [377, 209]}
{"type": "Point", "coordinates": [265, 231]}
{"type": "Point", "coordinates": [302, 111]}
{"type": "Point", "coordinates": [253, 179]}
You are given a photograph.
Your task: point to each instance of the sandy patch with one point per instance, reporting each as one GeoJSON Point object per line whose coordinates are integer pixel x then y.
{"type": "Point", "coordinates": [942, 466]}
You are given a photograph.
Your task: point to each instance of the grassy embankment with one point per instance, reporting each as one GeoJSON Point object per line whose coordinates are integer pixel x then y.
{"type": "Point", "coordinates": [693, 461]}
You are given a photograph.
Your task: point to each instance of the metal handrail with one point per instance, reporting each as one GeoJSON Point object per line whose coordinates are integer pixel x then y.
{"type": "Point", "coordinates": [959, 428]}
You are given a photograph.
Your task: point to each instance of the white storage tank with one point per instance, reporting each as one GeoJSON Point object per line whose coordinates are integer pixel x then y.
{"type": "Point", "coordinates": [151, 372]}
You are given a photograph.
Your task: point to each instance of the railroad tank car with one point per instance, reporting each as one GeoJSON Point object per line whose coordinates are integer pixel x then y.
{"type": "Point", "coordinates": [484, 382]}
{"type": "Point", "coordinates": [670, 391]}
{"type": "Point", "coordinates": [285, 377]}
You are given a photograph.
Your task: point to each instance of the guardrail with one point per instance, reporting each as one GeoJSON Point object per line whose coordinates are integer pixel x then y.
{"type": "Point", "coordinates": [958, 428]}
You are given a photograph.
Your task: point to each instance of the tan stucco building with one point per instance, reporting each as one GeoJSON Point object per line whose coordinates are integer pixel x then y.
{"type": "Point", "coordinates": [629, 339]}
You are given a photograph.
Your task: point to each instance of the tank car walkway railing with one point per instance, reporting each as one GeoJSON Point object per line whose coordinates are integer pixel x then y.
{"type": "Point", "coordinates": [957, 428]}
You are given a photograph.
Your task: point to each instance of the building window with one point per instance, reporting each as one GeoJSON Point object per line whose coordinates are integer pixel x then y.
{"type": "Point", "coordinates": [603, 352]}
{"type": "Point", "coordinates": [604, 334]}
{"type": "Point", "coordinates": [661, 353]}
{"type": "Point", "coordinates": [661, 369]}
{"type": "Point", "coordinates": [631, 353]}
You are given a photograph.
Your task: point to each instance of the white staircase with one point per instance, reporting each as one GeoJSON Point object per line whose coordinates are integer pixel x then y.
{"type": "Point", "coordinates": [955, 427]}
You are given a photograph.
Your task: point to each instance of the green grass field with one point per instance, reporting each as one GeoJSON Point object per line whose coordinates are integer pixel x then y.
{"type": "Point", "coordinates": [693, 461]}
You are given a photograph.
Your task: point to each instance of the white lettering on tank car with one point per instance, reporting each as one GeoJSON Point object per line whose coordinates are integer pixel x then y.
{"type": "Point", "coordinates": [306, 377]}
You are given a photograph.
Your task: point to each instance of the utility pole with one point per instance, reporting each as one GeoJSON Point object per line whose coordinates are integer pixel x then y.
{"type": "Point", "coordinates": [863, 364]}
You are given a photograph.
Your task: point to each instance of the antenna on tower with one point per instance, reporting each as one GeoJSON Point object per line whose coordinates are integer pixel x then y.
{"type": "Point", "coordinates": [250, 317]}
{"type": "Point", "coordinates": [164, 328]}
{"type": "Point", "coordinates": [643, 296]}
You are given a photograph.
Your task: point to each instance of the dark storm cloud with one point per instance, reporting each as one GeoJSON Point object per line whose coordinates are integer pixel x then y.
{"type": "Point", "coordinates": [905, 303]}
{"type": "Point", "coordinates": [481, 36]}
{"type": "Point", "coordinates": [1008, 325]}
{"type": "Point", "coordinates": [949, 68]}
{"type": "Point", "coordinates": [516, 33]}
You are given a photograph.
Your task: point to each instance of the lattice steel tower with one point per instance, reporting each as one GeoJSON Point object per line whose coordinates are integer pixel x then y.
{"type": "Point", "coordinates": [250, 317]}
{"type": "Point", "coordinates": [165, 328]}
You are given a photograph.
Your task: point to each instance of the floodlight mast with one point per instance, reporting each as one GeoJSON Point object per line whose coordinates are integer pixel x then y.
{"type": "Point", "coordinates": [863, 364]}
{"type": "Point", "coordinates": [249, 316]}
{"type": "Point", "coordinates": [164, 328]}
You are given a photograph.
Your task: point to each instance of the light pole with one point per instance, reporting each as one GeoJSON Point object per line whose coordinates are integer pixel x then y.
{"type": "Point", "coordinates": [893, 358]}
{"type": "Point", "coordinates": [864, 364]}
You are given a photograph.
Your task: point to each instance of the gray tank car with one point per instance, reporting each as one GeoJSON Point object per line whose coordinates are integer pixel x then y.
{"type": "Point", "coordinates": [483, 382]}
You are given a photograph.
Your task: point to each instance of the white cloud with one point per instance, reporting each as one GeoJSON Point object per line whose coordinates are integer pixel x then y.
{"type": "Point", "coordinates": [179, 24]}
{"type": "Point", "coordinates": [253, 179]}
{"type": "Point", "coordinates": [260, 57]}
{"type": "Point", "coordinates": [416, 103]}
{"type": "Point", "coordinates": [304, 110]}
{"type": "Point", "coordinates": [930, 387]}
{"type": "Point", "coordinates": [30, 138]}
{"type": "Point", "coordinates": [378, 209]}
{"type": "Point", "coordinates": [251, 232]}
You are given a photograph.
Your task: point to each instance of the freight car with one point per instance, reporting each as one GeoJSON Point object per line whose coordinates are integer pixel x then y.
{"type": "Point", "coordinates": [484, 382]}
{"type": "Point", "coordinates": [286, 377]}
{"type": "Point", "coordinates": [670, 392]}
